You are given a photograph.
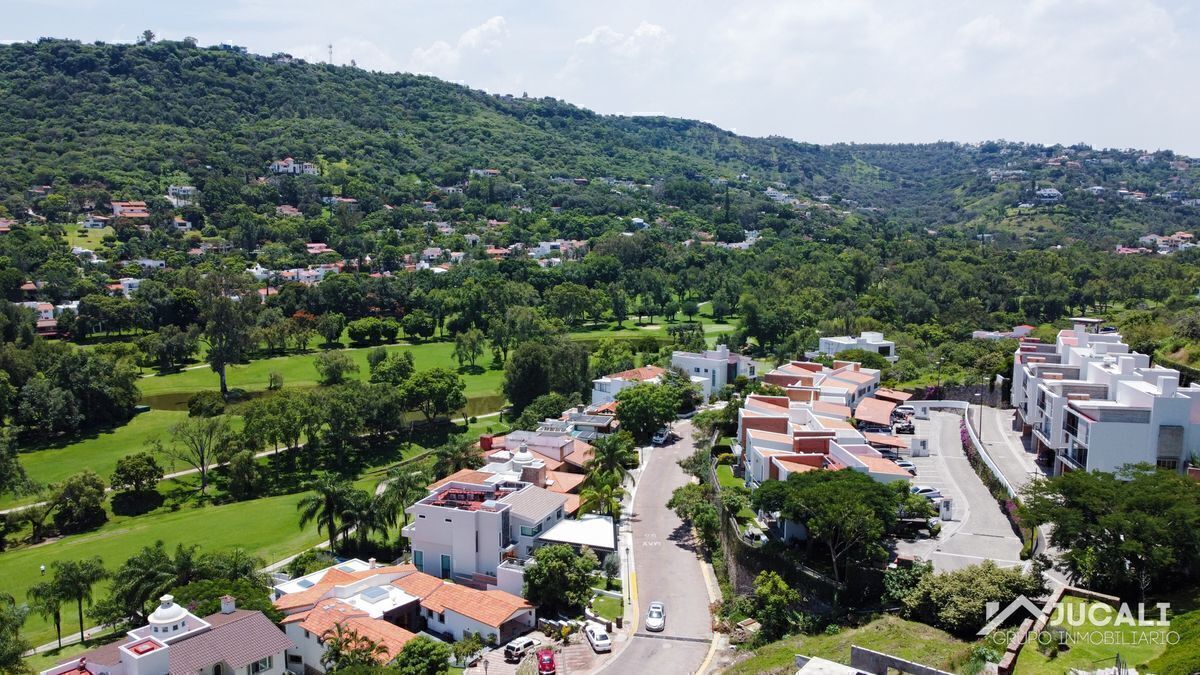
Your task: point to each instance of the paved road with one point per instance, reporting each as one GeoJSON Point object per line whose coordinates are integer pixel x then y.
{"type": "Point", "coordinates": [979, 529]}
{"type": "Point", "coordinates": [668, 569]}
{"type": "Point", "coordinates": [1006, 447]}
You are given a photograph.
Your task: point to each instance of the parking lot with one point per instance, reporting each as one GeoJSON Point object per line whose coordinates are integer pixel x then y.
{"type": "Point", "coordinates": [978, 529]}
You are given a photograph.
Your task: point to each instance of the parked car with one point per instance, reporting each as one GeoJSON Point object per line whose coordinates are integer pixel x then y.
{"type": "Point", "coordinates": [905, 409]}
{"type": "Point", "coordinates": [598, 638]}
{"type": "Point", "coordinates": [545, 662]}
{"type": "Point", "coordinates": [926, 491]}
{"type": "Point", "coordinates": [662, 436]}
{"type": "Point", "coordinates": [656, 617]}
{"type": "Point", "coordinates": [906, 465]}
{"type": "Point", "coordinates": [906, 428]}
{"type": "Point", "coordinates": [889, 453]}
{"type": "Point", "coordinates": [517, 649]}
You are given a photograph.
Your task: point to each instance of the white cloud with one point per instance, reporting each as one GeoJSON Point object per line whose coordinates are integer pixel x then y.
{"type": "Point", "coordinates": [443, 57]}
{"type": "Point", "coordinates": [647, 37]}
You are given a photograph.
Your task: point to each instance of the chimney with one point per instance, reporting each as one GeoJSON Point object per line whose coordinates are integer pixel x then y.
{"type": "Point", "coordinates": [485, 442]}
{"type": "Point", "coordinates": [228, 604]}
{"type": "Point", "coordinates": [371, 563]}
{"type": "Point", "coordinates": [1167, 386]}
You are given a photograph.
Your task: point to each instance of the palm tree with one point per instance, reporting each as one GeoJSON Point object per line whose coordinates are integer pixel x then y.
{"type": "Point", "coordinates": [611, 456]}
{"type": "Point", "coordinates": [457, 453]}
{"type": "Point", "coordinates": [329, 498]}
{"type": "Point", "coordinates": [74, 580]}
{"type": "Point", "coordinates": [344, 647]}
{"type": "Point", "coordinates": [45, 599]}
{"type": "Point", "coordinates": [364, 514]}
{"type": "Point", "coordinates": [602, 496]}
{"type": "Point", "coordinates": [234, 565]}
{"type": "Point", "coordinates": [403, 488]}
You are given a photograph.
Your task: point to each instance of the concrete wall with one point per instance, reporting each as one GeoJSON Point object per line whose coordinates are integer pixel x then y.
{"type": "Point", "coordinates": [871, 661]}
{"type": "Point", "coordinates": [308, 646]}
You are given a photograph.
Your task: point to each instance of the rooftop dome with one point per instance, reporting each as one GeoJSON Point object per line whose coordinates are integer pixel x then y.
{"type": "Point", "coordinates": [168, 612]}
{"type": "Point", "coordinates": [523, 456]}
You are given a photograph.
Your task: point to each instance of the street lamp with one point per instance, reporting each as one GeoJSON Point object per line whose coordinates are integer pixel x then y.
{"type": "Point", "coordinates": [979, 426]}
{"type": "Point", "coordinates": [939, 371]}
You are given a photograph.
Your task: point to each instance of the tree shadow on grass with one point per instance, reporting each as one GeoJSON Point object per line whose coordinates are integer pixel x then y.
{"type": "Point", "coordinates": [136, 503]}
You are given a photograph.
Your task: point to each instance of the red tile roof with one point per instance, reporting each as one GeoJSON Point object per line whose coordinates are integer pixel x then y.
{"type": "Point", "coordinates": [491, 608]}
{"type": "Point", "coordinates": [893, 395]}
{"type": "Point", "coordinates": [463, 476]}
{"type": "Point", "coordinates": [639, 374]}
{"type": "Point", "coordinates": [875, 411]}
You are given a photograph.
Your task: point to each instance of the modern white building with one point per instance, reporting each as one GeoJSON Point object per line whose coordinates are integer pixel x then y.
{"type": "Point", "coordinates": [289, 166]}
{"type": "Point", "coordinates": [1089, 403]}
{"type": "Point", "coordinates": [605, 389]}
{"type": "Point", "coordinates": [230, 642]}
{"type": "Point", "coordinates": [847, 383]}
{"type": "Point", "coordinates": [867, 340]}
{"type": "Point", "coordinates": [713, 368]}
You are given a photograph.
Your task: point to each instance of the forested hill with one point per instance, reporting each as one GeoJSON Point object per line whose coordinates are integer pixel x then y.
{"type": "Point", "coordinates": [126, 117]}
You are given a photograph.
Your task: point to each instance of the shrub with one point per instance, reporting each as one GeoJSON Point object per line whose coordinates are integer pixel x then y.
{"type": "Point", "coordinates": [726, 458]}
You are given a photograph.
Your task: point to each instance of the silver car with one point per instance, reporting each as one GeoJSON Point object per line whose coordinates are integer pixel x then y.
{"type": "Point", "coordinates": [656, 617]}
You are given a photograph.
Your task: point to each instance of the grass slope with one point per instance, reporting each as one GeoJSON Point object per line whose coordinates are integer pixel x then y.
{"type": "Point", "coordinates": [1092, 646]}
{"type": "Point", "coordinates": [893, 635]}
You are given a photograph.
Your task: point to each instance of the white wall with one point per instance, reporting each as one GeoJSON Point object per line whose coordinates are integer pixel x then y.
{"type": "Point", "coordinates": [309, 648]}
{"type": "Point", "coordinates": [472, 538]}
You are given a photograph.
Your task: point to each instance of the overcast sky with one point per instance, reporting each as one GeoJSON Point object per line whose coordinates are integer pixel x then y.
{"type": "Point", "coordinates": [1114, 73]}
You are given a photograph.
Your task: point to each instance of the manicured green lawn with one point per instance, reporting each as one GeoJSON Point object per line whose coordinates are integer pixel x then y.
{"type": "Point", "coordinates": [607, 607]}
{"type": "Point", "coordinates": [77, 235]}
{"type": "Point", "coordinates": [727, 480]}
{"type": "Point", "coordinates": [298, 371]}
{"type": "Point", "coordinates": [889, 634]}
{"type": "Point", "coordinates": [1093, 646]}
{"type": "Point", "coordinates": [98, 453]}
{"type": "Point", "coordinates": [268, 528]}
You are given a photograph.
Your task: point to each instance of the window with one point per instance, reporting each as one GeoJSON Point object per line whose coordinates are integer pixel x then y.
{"type": "Point", "coordinates": [449, 521]}
{"type": "Point", "coordinates": [216, 669]}
{"type": "Point", "coordinates": [295, 658]}
{"type": "Point", "coordinates": [1168, 464]}
{"type": "Point", "coordinates": [305, 633]}
{"type": "Point", "coordinates": [531, 531]}
{"type": "Point", "coordinates": [560, 513]}
{"type": "Point", "coordinates": [421, 516]}
{"type": "Point", "coordinates": [419, 560]}
{"type": "Point", "coordinates": [260, 666]}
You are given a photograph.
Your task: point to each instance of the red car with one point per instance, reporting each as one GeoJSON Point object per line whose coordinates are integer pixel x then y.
{"type": "Point", "coordinates": [545, 661]}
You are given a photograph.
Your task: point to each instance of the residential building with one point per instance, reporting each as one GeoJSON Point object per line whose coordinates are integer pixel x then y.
{"type": "Point", "coordinates": [1089, 403]}
{"type": "Point", "coordinates": [1048, 196]}
{"type": "Point", "coordinates": [181, 195]}
{"type": "Point", "coordinates": [129, 210]}
{"type": "Point", "coordinates": [317, 248]}
{"type": "Point", "coordinates": [846, 383]}
{"type": "Point", "coordinates": [288, 211]}
{"type": "Point", "coordinates": [605, 389]}
{"type": "Point", "coordinates": [95, 222]}
{"type": "Point", "coordinates": [558, 450]}
{"type": "Point", "coordinates": [585, 424]}
{"type": "Point", "coordinates": [464, 530]}
{"type": "Point", "coordinates": [712, 369]}
{"type": "Point", "coordinates": [390, 605]}
{"type": "Point", "coordinates": [232, 641]}
{"type": "Point", "coordinates": [1016, 333]}
{"type": "Point", "coordinates": [867, 341]}
{"type": "Point", "coordinates": [291, 167]}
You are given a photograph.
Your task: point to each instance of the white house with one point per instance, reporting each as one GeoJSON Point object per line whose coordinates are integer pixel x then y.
{"type": "Point", "coordinates": [95, 222]}
{"type": "Point", "coordinates": [867, 340]}
{"type": "Point", "coordinates": [291, 167]}
{"type": "Point", "coordinates": [605, 389]}
{"type": "Point", "coordinates": [232, 641]}
{"type": "Point", "coordinates": [1048, 196]}
{"type": "Point", "coordinates": [1091, 404]}
{"type": "Point", "coordinates": [713, 368]}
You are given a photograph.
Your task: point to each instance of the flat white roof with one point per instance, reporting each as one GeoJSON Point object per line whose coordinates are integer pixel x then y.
{"type": "Point", "coordinates": [309, 580]}
{"type": "Point", "coordinates": [591, 530]}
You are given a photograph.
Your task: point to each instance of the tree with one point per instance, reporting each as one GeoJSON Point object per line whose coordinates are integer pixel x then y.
{"type": "Point", "coordinates": [456, 454]}
{"type": "Point", "coordinates": [645, 408]}
{"type": "Point", "coordinates": [46, 410]}
{"type": "Point", "coordinates": [244, 476]}
{"type": "Point", "coordinates": [206, 404]}
{"type": "Point", "coordinates": [418, 324]}
{"type": "Point", "coordinates": [79, 503]}
{"type": "Point", "coordinates": [559, 580]}
{"type": "Point", "coordinates": [345, 647]}
{"type": "Point", "coordinates": [12, 617]}
{"type": "Point", "coordinates": [13, 479]}
{"type": "Point", "coordinates": [74, 580]}
{"type": "Point", "coordinates": [200, 442]}
{"type": "Point", "coordinates": [403, 488]}
{"type": "Point", "coordinates": [422, 656]}
{"type": "Point", "coordinates": [146, 38]}
{"type": "Point", "coordinates": [693, 504]}
{"type": "Point", "coordinates": [203, 597]}
{"type": "Point", "coordinates": [46, 599]}
{"type": "Point", "coordinates": [434, 392]}
{"type": "Point", "coordinates": [365, 514]}
{"type": "Point", "coordinates": [138, 472]}
{"type": "Point", "coordinates": [333, 367]}
{"type": "Point", "coordinates": [468, 346]}
{"type": "Point", "coordinates": [612, 457]}
{"type": "Point", "coordinates": [330, 326]}
{"type": "Point", "coordinates": [394, 369]}
{"type": "Point", "coordinates": [957, 601]}
{"type": "Point", "coordinates": [776, 603]}
{"type": "Point", "coordinates": [544, 407]}
{"type": "Point", "coordinates": [148, 574]}
{"type": "Point", "coordinates": [328, 499]}
{"type": "Point", "coordinates": [228, 334]}
{"type": "Point", "coordinates": [602, 494]}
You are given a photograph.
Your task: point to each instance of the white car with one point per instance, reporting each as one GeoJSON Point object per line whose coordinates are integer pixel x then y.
{"type": "Point", "coordinates": [926, 491]}
{"type": "Point", "coordinates": [905, 409]}
{"type": "Point", "coordinates": [656, 617]}
{"type": "Point", "coordinates": [598, 638]}
{"type": "Point", "coordinates": [661, 437]}
{"type": "Point", "coordinates": [906, 465]}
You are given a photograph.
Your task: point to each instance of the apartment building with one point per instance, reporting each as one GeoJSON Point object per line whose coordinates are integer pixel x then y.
{"type": "Point", "coordinates": [867, 340]}
{"type": "Point", "coordinates": [713, 368]}
{"type": "Point", "coordinates": [847, 383]}
{"type": "Point", "coordinates": [1091, 404]}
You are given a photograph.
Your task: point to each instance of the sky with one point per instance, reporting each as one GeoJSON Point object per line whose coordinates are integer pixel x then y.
{"type": "Point", "coordinates": [1111, 73]}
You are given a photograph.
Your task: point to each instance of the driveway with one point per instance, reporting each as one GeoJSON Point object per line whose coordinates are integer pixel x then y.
{"type": "Point", "coordinates": [979, 530]}
{"type": "Point", "coordinates": [667, 567]}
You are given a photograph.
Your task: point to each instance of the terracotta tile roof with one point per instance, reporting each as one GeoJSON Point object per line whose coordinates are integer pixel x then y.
{"type": "Point", "coordinates": [463, 476]}
{"type": "Point", "coordinates": [875, 411]}
{"type": "Point", "coordinates": [855, 377]}
{"type": "Point", "coordinates": [384, 569]}
{"type": "Point", "coordinates": [892, 395]}
{"type": "Point", "coordinates": [327, 614]}
{"type": "Point", "coordinates": [564, 482]}
{"type": "Point", "coordinates": [580, 455]}
{"type": "Point", "coordinates": [829, 408]}
{"type": "Point", "coordinates": [309, 596]}
{"type": "Point", "coordinates": [392, 637]}
{"type": "Point", "coordinates": [418, 584]}
{"type": "Point", "coordinates": [605, 408]}
{"type": "Point", "coordinates": [572, 504]}
{"type": "Point", "coordinates": [881, 465]}
{"type": "Point", "coordinates": [759, 434]}
{"type": "Point", "coordinates": [491, 608]}
{"type": "Point", "coordinates": [796, 467]}
{"type": "Point", "coordinates": [533, 503]}
{"type": "Point", "coordinates": [639, 374]}
{"type": "Point", "coordinates": [886, 440]}
{"type": "Point", "coordinates": [830, 423]}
